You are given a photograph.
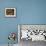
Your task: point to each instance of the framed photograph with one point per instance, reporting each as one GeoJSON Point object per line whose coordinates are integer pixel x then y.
{"type": "Point", "coordinates": [10, 12]}
{"type": "Point", "coordinates": [33, 32]}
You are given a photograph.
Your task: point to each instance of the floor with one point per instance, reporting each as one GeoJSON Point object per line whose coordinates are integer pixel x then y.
{"type": "Point", "coordinates": [7, 45]}
{"type": "Point", "coordinates": [30, 43]}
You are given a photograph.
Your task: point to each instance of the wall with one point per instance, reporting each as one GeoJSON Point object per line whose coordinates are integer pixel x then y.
{"type": "Point", "coordinates": [33, 12]}
{"type": "Point", "coordinates": [8, 25]}
{"type": "Point", "coordinates": [28, 12]}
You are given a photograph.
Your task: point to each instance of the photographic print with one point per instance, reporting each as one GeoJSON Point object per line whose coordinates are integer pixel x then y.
{"type": "Point", "coordinates": [10, 12]}
{"type": "Point", "coordinates": [32, 32]}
